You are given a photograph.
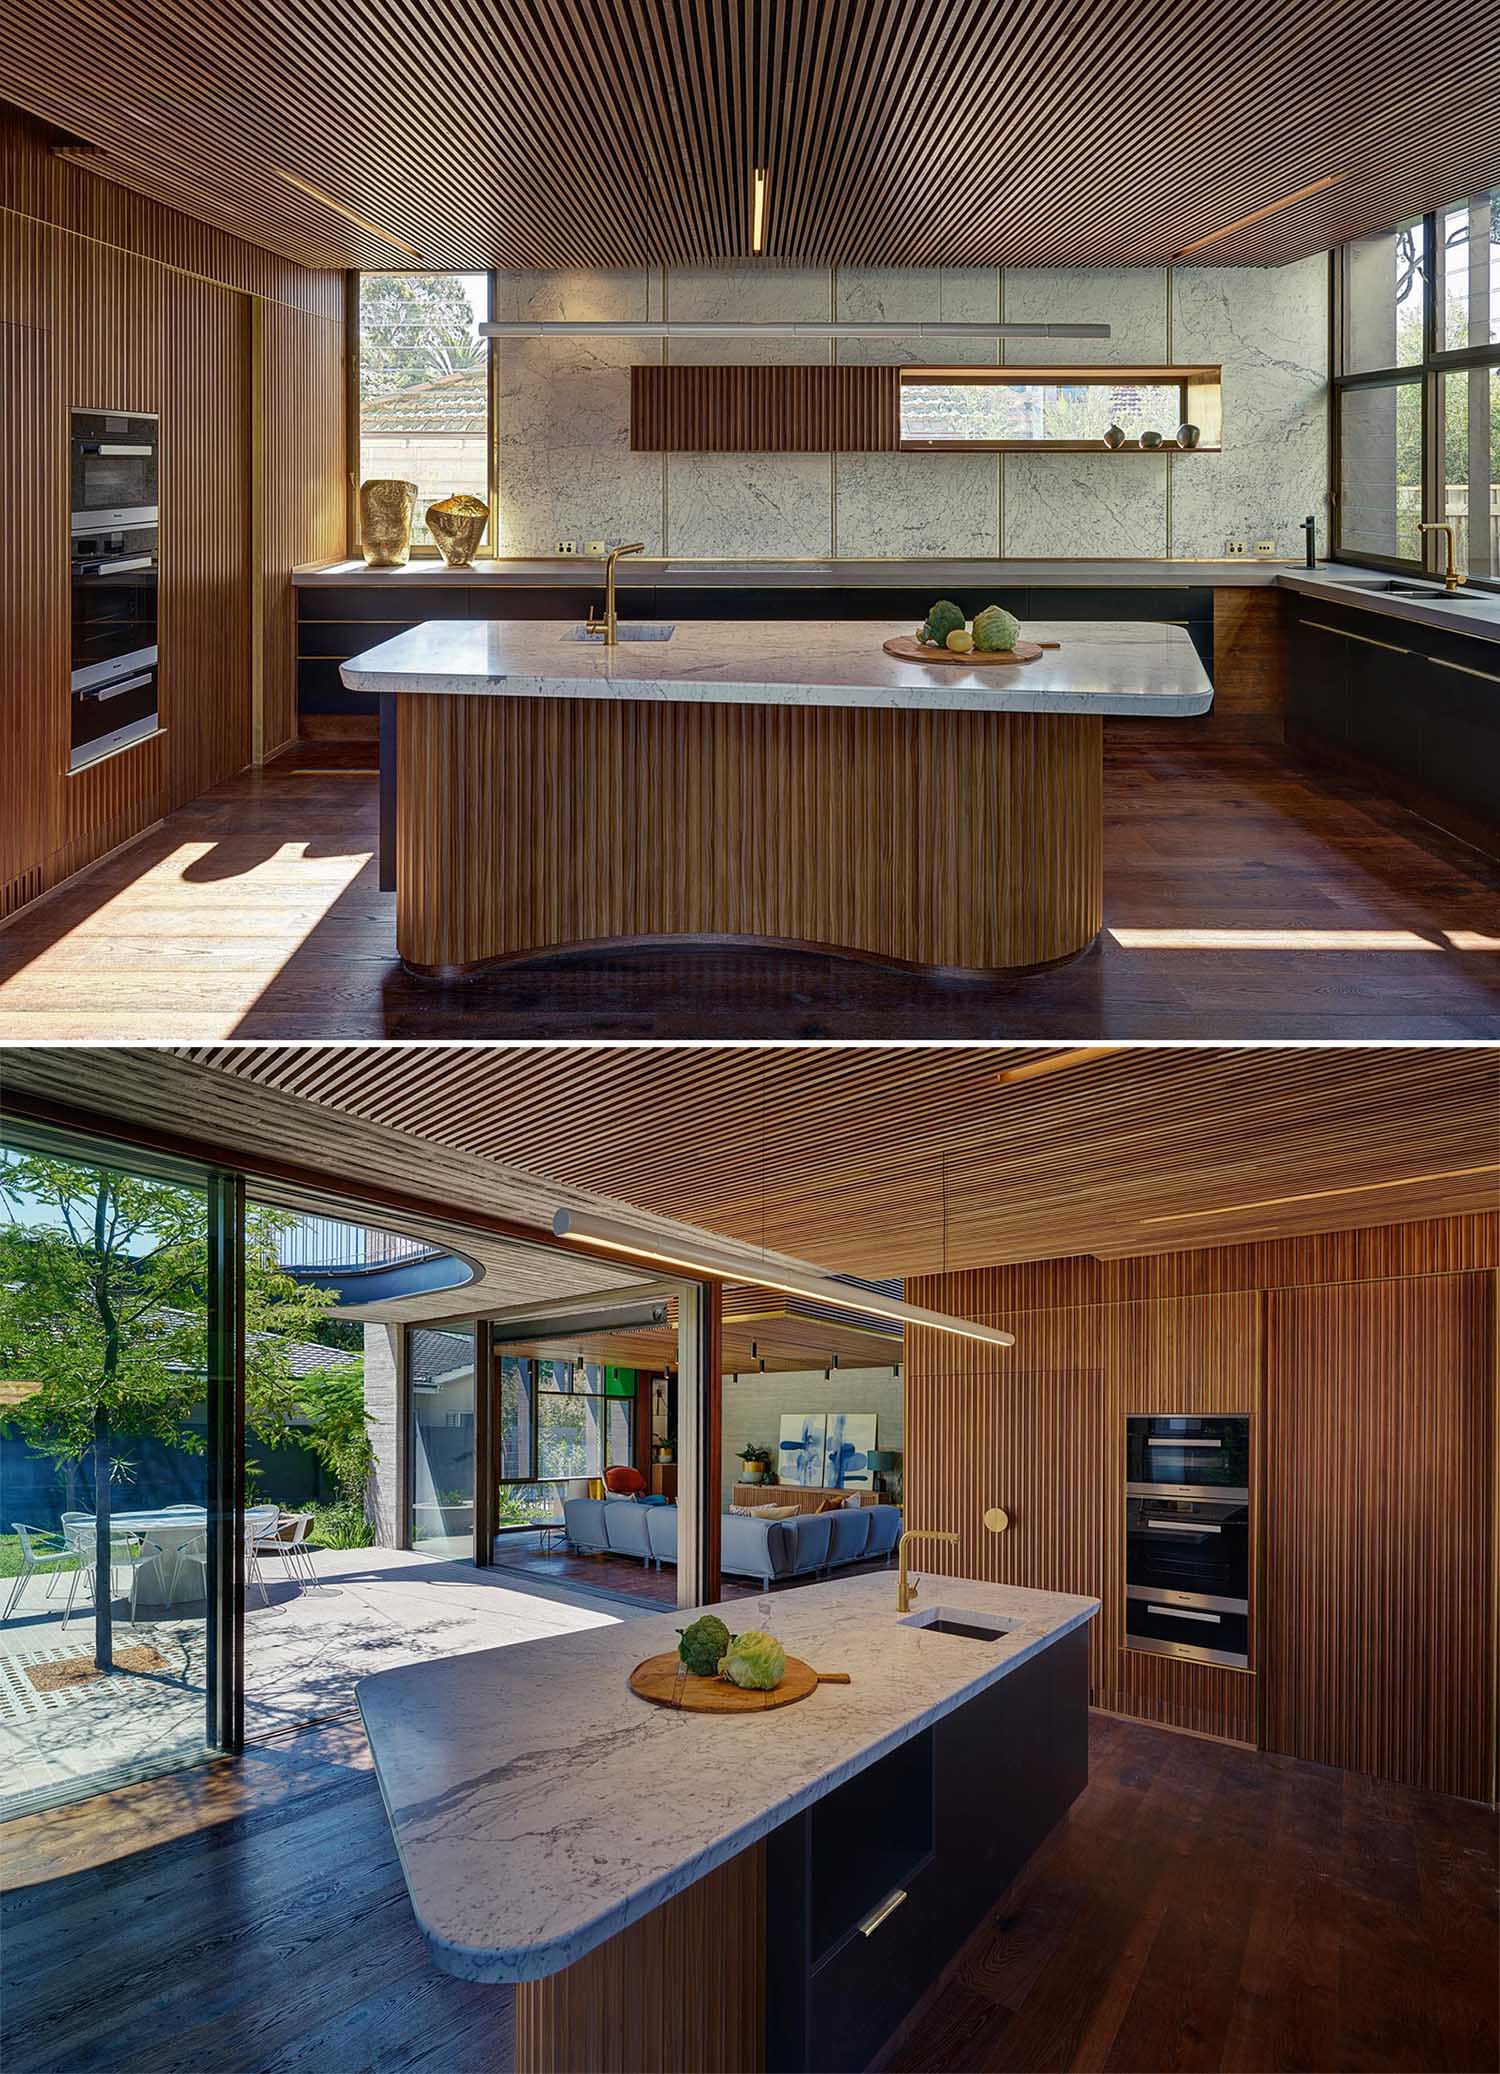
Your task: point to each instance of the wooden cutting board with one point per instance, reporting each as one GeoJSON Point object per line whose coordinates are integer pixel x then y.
{"type": "Point", "coordinates": [664, 1681]}
{"type": "Point", "coordinates": [908, 649]}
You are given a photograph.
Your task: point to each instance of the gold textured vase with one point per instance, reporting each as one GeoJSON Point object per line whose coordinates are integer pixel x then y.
{"type": "Point", "coordinates": [386, 509]}
{"type": "Point", "coordinates": [457, 525]}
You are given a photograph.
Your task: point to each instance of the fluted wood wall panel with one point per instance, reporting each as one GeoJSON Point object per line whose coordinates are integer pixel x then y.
{"type": "Point", "coordinates": [128, 309]}
{"type": "Point", "coordinates": [912, 835]}
{"type": "Point", "coordinates": [1379, 1571]}
{"type": "Point", "coordinates": [765, 410]}
{"type": "Point", "coordinates": [1367, 1361]}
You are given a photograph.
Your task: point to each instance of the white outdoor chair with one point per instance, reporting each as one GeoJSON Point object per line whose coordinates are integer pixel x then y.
{"type": "Point", "coordinates": [35, 1559]}
{"type": "Point", "coordinates": [288, 1539]}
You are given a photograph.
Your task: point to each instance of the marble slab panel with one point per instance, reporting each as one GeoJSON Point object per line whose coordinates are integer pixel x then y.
{"type": "Point", "coordinates": [917, 294]}
{"type": "Point", "coordinates": [757, 507]}
{"type": "Point", "coordinates": [891, 505]}
{"type": "Point", "coordinates": [1132, 300]}
{"type": "Point", "coordinates": [1268, 327]}
{"type": "Point", "coordinates": [749, 295]}
{"type": "Point", "coordinates": [1085, 505]}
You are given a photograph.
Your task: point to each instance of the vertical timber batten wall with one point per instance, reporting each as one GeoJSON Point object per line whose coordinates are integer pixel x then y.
{"type": "Point", "coordinates": [110, 301]}
{"type": "Point", "coordinates": [1367, 1360]}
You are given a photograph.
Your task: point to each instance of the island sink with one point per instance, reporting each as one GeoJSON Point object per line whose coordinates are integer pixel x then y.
{"type": "Point", "coordinates": [977, 1627]}
{"type": "Point", "coordinates": [634, 630]}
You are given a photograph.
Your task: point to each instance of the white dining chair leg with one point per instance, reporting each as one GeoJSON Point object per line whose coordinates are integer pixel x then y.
{"type": "Point", "coordinates": [15, 1594]}
{"type": "Point", "coordinates": [72, 1594]}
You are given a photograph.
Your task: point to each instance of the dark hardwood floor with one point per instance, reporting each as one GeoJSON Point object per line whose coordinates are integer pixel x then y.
{"type": "Point", "coordinates": [618, 1576]}
{"type": "Point", "coordinates": [1248, 895]}
{"type": "Point", "coordinates": [1201, 1907]}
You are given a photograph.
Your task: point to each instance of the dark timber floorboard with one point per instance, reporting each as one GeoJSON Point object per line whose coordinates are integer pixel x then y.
{"type": "Point", "coordinates": [254, 913]}
{"type": "Point", "coordinates": [1201, 1907]}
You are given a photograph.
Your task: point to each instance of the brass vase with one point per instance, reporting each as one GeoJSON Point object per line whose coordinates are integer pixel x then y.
{"type": "Point", "coordinates": [457, 525]}
{"type": "Point", "coordinates": [386, 509]}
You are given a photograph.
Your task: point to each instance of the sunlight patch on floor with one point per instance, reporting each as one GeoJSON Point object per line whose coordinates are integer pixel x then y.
{"type": "Point", "coordinates": [1274, 940]}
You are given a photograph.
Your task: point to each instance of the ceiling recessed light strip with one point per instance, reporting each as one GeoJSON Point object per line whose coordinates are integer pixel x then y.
{"type": "Point", "coordinates": [723, 1260]}
{"type": "Point", "coordinates": [758, 212]}
{"type": "Point", "coordinates": [1314, 1195]}
{"type": "Point", "coordinates": [722, 328]}
{"type": "Point", "coordinates": [1056, 1062]}
{"type": "Point", "coordinates": [363, 223]}
{"type": "Point", "coordinates": [1260, 215]}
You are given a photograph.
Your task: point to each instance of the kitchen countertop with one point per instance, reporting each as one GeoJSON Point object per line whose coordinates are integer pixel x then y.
{"type": "Point", "coordinates": [1100, 667]}
{"type": "Point", "coordinates": [635, 572]}
{"type": "Point", "coordinates": [1481, 618]}
{"type": "Point", "coordinates": [538, 1806]}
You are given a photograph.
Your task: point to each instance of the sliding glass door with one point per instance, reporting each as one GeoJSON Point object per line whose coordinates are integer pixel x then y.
{"type": "Point", "coordinates": [120, 1464]}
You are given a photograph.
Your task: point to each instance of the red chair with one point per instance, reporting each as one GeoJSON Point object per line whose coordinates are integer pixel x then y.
{"type": "Point", "coordinates": [624, 1482]}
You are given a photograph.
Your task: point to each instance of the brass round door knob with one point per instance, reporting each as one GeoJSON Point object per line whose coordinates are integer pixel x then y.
{"type": "Point", "coordinates": [997, 1519]}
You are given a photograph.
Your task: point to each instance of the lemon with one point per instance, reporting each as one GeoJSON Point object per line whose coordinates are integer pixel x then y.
{"type": "Point", "coordinates": [961, 641]}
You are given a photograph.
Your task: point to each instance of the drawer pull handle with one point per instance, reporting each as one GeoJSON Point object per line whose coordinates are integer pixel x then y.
{"type": "Point", "coordinates": [1343, 632]}
{"type": "Point", "coordinates": [1465, 669]}
{"type": "Point", "coordinates": [1181, 1526]}
{"type": "Point", "coordinates": [1182, 1613]}
{"type": "Point", "coordinates": [882, 1912]}
{"type": "Point", "coordinates": [113, 691]}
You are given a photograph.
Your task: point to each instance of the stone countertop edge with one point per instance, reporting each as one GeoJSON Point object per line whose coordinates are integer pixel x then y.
{"type": "Point", "coordinates": [1096, 667]}
{"type": "Point", "coordinates": [611, 1651]}
{"type": "Point", "coordinates": [640, 572]}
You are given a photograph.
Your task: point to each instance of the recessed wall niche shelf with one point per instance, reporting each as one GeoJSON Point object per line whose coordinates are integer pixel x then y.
{"type": "Point", "coordinates": [876, 410]}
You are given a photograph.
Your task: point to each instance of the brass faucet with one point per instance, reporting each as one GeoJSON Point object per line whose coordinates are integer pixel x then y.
{"type": "Point", "coordinates": [609, 626]}
{"type": "Point", "coordinates": [1451, 577]}
{"type": "Point", "coordinates": [906, 1587]}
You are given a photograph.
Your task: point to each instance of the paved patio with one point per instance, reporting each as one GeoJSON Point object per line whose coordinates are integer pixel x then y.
{"type": "Point", "coordinates": [303, 1652]}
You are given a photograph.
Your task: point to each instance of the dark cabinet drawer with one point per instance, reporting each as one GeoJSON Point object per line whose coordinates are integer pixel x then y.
{"type": "Point", "coordinates": [1318, 692]}
{"type": "Point", "coordinates": [866, 1986]}
{"type": "Point", "coordinates": [1461, 742]}
{"type": "Point", "coordinates": [1170, 1629]}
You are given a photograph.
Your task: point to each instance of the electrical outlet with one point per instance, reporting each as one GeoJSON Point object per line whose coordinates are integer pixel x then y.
{"type": "Point", "coordinates": [596, 547]}
{"type": "Point", "coordinates": [1233, 549]}
{"type": "Point", "coordinates": [1265, 547]}
{"type": "Point", "coordinates": [567, 547]}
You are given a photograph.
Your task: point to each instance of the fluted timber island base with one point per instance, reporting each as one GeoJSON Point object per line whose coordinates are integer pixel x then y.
{"type": "Point", "coordinates": [785, 783]}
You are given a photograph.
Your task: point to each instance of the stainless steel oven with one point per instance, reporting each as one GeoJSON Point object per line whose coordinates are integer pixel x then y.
{"type": "Point", "coordinates": [114, 468]}
{"type": "Point", "coordinates": [1187, 1543]}
{"type": "Point", "coordinates": [113, 580]}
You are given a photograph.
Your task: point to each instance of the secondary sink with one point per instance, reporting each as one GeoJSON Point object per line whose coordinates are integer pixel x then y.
{"type": "Point", "coordinates": [632, 630]}
{"type": "Point", "coordinates": [1437, 595]}
{"type": "Point", "coordinates": [951, 1620]}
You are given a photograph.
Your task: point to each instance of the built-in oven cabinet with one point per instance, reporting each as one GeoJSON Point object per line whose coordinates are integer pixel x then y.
{"type": "Point", "coordinates": [1187, 1454]}
{"type": "Point", "coordinates": [1162, 1626]}
{"type": "Point", "coordinates": [1195, 1545]}
{"type": "Point", "coordinates": [113, 469]}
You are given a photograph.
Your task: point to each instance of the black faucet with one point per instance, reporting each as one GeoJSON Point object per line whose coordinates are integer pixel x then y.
{"type": "Point", "coordinates": [1310, 528]}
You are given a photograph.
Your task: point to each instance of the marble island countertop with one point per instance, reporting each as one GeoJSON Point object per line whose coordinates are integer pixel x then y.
{"type": "Point", "coordinates": [1099, 666]}
{"type": "Point", "coordinates": [538, 1806]}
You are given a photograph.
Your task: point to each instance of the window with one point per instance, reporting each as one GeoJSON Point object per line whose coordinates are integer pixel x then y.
{"type": "Point", "coordinates": [423, 386]}
{"type": "Point", "coordinates": [561, 1423]}
{"type": "Point", "coordinates": [1417, 391]}
{"type": "Point", "coordinates": [441, 1374]}
{"type": "Point", "coordinates": [1068, 408]}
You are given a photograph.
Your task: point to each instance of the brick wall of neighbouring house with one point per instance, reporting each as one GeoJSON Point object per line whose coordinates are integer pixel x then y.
{"type": "Point", "coordinates": [382, 1398]}
{"type": "Point", "coordinates": [753, 1404]}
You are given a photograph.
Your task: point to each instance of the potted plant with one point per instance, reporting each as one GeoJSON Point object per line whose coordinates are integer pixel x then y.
{"type": "Point", "coordinates": [755, 1463]}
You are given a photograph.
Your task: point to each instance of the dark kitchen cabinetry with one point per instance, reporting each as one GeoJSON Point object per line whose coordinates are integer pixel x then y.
{"type": "Point", "coordinates": [874, 1889]}
{"type": "Point", "coordinates": [1412, 710]}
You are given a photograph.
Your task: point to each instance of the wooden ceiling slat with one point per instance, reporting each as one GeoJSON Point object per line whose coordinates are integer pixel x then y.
{"type": "Point", "coordinates": [620, 133]}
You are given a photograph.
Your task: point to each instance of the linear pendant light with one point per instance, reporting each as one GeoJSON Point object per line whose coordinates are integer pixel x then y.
{"type": "Point", "coordinates": [723, 1259]}
{"type": "Point", "coordinates": [725, 328]}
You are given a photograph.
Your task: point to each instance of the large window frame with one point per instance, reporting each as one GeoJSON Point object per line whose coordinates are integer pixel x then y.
{"type": "Point", "coordinates": [422, 551]}
{"type": "Point", "coordinates": [1199, 402]}
{"type": "Point", "coordinates": [1428, 374]}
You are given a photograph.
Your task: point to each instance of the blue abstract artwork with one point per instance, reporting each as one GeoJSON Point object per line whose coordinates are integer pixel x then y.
{"type": "Point", "coordinates": [800, 1450]}
{"type": "Point", "coordinates": [851, 1441]}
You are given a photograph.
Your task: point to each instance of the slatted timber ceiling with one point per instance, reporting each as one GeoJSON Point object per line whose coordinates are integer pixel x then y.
{"type": "Point", "coordinates": [904, 1160]}
{"type": "Point", "coordinates": [894, 132]}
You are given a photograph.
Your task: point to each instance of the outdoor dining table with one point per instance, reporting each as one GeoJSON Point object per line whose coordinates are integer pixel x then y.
{"type": "Point", "coordinates": [166, 1534]}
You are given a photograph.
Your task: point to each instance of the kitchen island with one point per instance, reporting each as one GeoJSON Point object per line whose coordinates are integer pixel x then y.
{"type": "Point", "coordinates": [783, 782]}
{"type": "Point", "coordinates": [732, 1891]}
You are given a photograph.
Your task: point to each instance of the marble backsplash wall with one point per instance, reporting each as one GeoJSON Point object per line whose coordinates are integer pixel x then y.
{"type": "Point", "coordinates": [566, 470]}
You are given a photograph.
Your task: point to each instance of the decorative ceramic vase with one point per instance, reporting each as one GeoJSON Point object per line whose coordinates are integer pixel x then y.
{"type": "Point", "coordinates": [457, 525]}
{"type": "Point", "coordinates": [386, 509]}
{"type": "Point", "coordinates": [1188, 436]}
{"type": "Point", "coordinates": [1150, 442]}
{"type": "Point", "coordinates": [1114, 437]}
{"type": "Point", "coordinates": [753, 1472]}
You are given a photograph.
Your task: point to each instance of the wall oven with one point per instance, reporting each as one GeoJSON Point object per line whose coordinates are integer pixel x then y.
{"type": "Point", "coordinates": [113, 584]}
{"type": "Point", "coordinates": [1187, 1544]}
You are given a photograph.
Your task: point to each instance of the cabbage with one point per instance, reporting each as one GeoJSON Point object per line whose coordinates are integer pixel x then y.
{"type": "Point", "coordinates": [995, 629]}
{"type": "Point", "coordinates": [755, 1660]}
{"type": "Point", "coordinates": [703, 1644]}
{"type": "Point", "coordinates": [942, 620]}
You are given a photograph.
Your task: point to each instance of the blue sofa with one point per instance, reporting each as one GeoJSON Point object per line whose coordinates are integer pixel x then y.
{"type": "Point", "coordinates": [771, 1551]}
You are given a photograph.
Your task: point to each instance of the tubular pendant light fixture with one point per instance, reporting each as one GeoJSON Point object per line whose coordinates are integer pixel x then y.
{"type": "Point", "coordinates": [758, 212]}
{"type": "Point", "coordinates": [720, 1257]}
{"type": "Point", "coordinates": [733, 328]}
